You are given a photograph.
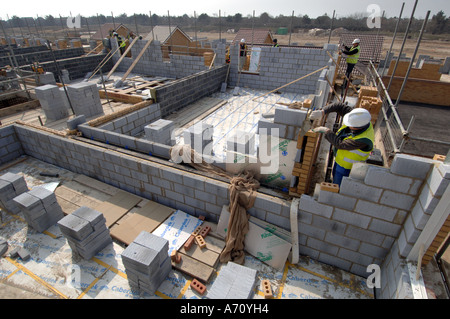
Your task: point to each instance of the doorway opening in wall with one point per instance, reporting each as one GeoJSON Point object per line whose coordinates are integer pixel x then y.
{"type": "Point", "coordinates": [251, 64]}
{"type": "Point", "coordinates": [442, 258]}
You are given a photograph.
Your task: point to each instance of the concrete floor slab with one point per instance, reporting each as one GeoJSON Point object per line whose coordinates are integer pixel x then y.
{"type": "Point", "coordinates": [54, 272]}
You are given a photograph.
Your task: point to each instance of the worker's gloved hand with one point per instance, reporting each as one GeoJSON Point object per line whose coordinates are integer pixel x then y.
{"type": "Point", "coordinates": [321, 129]}
{"type": "Point", "coordinates": [316, 115]}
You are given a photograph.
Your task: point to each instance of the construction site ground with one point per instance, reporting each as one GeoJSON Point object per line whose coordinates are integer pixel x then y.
{"type": "Point", "coordinates": [46, 274]}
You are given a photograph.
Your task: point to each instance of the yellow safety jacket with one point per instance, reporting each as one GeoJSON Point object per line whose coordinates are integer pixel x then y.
{"type": "Point", "coordinates": [353, 59]}
{"type": "Point", "coordinates": [345, 158]}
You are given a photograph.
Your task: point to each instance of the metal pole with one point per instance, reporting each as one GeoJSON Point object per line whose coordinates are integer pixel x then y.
{"type": "Point", "coordinates": [12, 27]}
{"type": "Point", "coordinates": [331, 27]}
{"type": "Point", "coordinates": [114, 23]}
{"type": "Point", "coordinates": [104, 88]}
{"type": "Point", "coordinates": [253, 26]}
{"type": "Point", "coordinates": [403, 45]}
{"type": "Point", "coordinates": [99, 25]}
{"type": "Point", "coordinates": [412, 59]}
{"type": "Point", "coordinates": [135, 23]}
{"type": "Point", "coordinates": [89, 31]}
{"type": "Point", "coordinates": [220, 29]}
{"type": "Point", "coordinates": [170, 33]}
{"type": "Point", "coordinates": [40, 25]}
{"type": "Point", "coordinates": [60, 76]}
{"type": "Point", "coordinates": [290, 29]}
{"type": "Point", "coordinates": [393, 38]}
{"type": "Point", "coordinates": [151, 26]}
{"type": "Point", "coordinates": [376, 38]}
{"type": "Point", "coordinates": [62, 25]}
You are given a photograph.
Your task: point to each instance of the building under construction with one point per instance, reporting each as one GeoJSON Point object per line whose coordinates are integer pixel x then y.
{"type": "Point", "coordinates": [123, 170]}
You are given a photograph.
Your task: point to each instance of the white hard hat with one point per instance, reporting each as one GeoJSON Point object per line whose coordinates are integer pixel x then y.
{"type": "Point", "coordinates": [356, 41]}
{"type": "Point", "coordinates": [358, 117]}
{"type": "Point", "coordinates": [242, 40]}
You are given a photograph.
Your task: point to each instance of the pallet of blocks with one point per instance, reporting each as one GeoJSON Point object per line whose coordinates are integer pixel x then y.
{"type": "Point", "coordinates": [369, 100]}
{"type": "Point", "coordinates": [303, 165]}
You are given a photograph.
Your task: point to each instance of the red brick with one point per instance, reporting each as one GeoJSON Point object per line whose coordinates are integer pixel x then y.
{"type": "Point", "coordinates": [198, 286]}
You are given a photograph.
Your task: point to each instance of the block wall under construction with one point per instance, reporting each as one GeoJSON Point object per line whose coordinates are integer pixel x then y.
{"type": "Point", "coordinates": [378, 212]}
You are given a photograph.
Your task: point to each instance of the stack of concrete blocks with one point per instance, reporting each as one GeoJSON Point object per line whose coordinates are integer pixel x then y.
{"type": "Point", "coordinates": [160, 131]}
{"type": "Point", "coordinates": [53, 101]}
{"type": "Point", "coordinates": [86, 232]}
{"type": "Point", "coordinates": [47, 78]}
{"type": "Point", "coordinates": [200, 137]}
{"type": "Point", "coordinates": [65, 76]}
{"type": "Point", "coordinates": [85, 99]}
{"type": "Point", "coordinates": [11, 186]}
{"type": "Point", "coordinates": [73, 123]}
{"type": "Point", "coordinates": [233, 282]}
{"type": "Point", "coordinates": [445, 69]}
{"type": "Point", "coordinates": [285, 124]}
{"type": "Point", "coordinates": [40, 208]}
{"type": "Point", "coordinates": [10, 146]}
{"type": "Point", "coordinates": [241, 142]}
{"type": "Point", "coordinates": [147, 262]}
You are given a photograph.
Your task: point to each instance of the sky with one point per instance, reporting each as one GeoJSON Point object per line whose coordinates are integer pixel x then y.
{"type": "Point", "coordinates": [27, 8]}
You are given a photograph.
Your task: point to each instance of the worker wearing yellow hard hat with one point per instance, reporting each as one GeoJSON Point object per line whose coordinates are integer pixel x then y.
{"type": "Point", "coordinates": [354, 140]}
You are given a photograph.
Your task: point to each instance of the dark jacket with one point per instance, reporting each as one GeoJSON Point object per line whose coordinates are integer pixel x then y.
{"type": "Point", "coordinates": [338, 140]}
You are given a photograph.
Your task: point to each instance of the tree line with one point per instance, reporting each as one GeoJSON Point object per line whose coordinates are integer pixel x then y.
{"type": "Point", "coordinates": [438, 24]}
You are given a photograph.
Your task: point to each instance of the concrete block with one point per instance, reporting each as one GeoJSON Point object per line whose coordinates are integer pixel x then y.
{"type": "Point", "coordinates": [412, 166]}
{"type": "Point", "coordinates": [241, 142]}
{"type": "Point", "coordinates": [337, 200]}
{"type": "Point", "coordinates": [419, 217]}
{"type": "Point", "coordinates": [376, 210]}
{"type": "Point", "coordinates": [285, 115]}
{"type": "Point", "coordinates": [351, 218]}
{"type": "Point", "coordinates": [364, 235]}
{"type": "Point", "coordinates": [358, 189]}
{"type": "Point", "coordinates": [268, 127]}
{"type": "Point", "coordinates": [397, 200]}
{"type": "Point", "coordinates": [437, 183]}
{"type": "Point", "coordinates": [381, 177]}
{"type": "Point", "coordinates": [427, 200]}
{"type": "Point", "coordinates": [309, 204]}
{"type": "Point", "coordinates": [385, 228]}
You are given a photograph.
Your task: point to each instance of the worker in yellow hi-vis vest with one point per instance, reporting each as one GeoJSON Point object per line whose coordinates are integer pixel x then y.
{"type": "Point", "coordinates": [121, 42]}
{"type": "Point", "coordinates": [352, 54]}
{"type": "Point", "coordinates": [353, 142]}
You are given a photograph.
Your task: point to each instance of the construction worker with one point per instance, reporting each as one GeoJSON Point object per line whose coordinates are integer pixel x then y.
{"type": "Point", "coordinates": [352, 54]}
{"type": "Point", "coordinates": [121, 42]}
{"type": "Point", "coordinates": [242, 54]}
{"type": "Point", "coordinates": [275, 43]}
{"type": "Point", "coordinates": [354, 140]}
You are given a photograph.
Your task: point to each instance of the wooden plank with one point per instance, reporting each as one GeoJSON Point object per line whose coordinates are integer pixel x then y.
{"type": "Point", "coordinates": [121, 58]}
{"type": "Point", "coordinates": [147, 218]}
{"type": "Point", "coordinates": [136, 60]}
{"type": "Point", "coordinates": [194, 268]}
{"type": "Point", "coordinates": [66, 206]}
{"type": "Point", "coordinates": [75, 197]}
{"type": "Point", "coordinates": [93, 183]}
{"type": "Point", "coordinates": [117, 206]}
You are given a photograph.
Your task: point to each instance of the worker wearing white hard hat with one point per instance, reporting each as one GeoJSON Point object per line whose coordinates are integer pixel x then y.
{"type": "Point", "coordinates": [242, 54]}
{"type": "Point", "coordinates": [353, 142]}
{"type": "Point", "coordinates": [352, 54]}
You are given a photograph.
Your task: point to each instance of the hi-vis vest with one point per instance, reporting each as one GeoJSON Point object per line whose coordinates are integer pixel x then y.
{"type": "Point", "coordinates": [346, 158]}
{"type": "Point", "coordinates": [353, 59]}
